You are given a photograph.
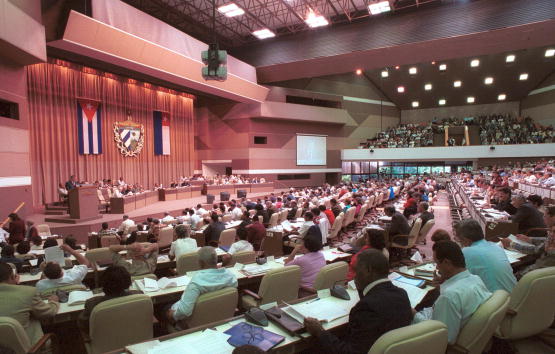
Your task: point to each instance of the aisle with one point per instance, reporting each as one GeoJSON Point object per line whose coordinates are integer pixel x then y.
{"type": "Point", "coordinates": [442, 217]}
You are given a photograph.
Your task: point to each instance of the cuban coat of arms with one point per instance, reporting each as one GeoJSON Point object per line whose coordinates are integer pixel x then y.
{"type": "Point", "coordinates": [129, 137]}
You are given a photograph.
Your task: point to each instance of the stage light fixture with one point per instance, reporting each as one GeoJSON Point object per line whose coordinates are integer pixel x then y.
{"type": "Point", "coordinates": [428, 87]}
{"type": "Point", "coordinates": [385, 73]}
{"type": "Point", "coordinates": [415, 104]}
{"type": "Point", "coordinates": [379, 7]}
{"type": "Point", "coordinates": [475, 63]}
{"type": "Point", "coordinates": [510, 58]}
{"type": "Point", "coordinates": [523, 76]}
{"type": "Point", "coordinates": [488, 80]}
{"type": "Point", "coordinates": [442, 67]}
{"type": "Point", "coordinates": [313, 20]}
{"type": "Point", "coordinates": [501, 97]}
{"type": "Point", "coordinates": [457, 83]}
{"type": "Point", "coordinates": [413, 70]}
{"type": "Point", "coordinates": [442, 102]}
{"type": "Point", "coordinates": [401, 89]}
{"type": "Point", "coordinates": [470, 99]}
{"type": "Point", "coordinates": [550, 52]}
{"type": "Point", "coordinates": [263, 33]}
{"type": "Point", "coordinates": [231, 10]}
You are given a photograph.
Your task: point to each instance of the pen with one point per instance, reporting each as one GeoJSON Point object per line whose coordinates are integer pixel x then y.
{"type": "Point", "coordinates": [310, 302]}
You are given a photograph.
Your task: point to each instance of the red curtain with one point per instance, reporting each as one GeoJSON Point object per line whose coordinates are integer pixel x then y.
{"type": "Point", "coordinates": [54, 88]}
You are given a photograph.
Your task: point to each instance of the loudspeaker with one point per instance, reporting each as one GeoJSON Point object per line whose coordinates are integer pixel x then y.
{"type": "Point", "coordinates": [224, 196]}
{"type": "Point", "coordinates": [210, 199]}
{"type": "Point", "coordinates": [241, 193]}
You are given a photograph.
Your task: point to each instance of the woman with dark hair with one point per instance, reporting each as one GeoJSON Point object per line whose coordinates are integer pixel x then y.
{"type": "Point", "coordinates": [312, 260]}
{"type": "Point", "coordinates": [536, 200]}
{"type": "Point", "coordinates": [23, 249]}
{"type": "Point", "coordinates": [50, 242]}
{"type": "Point", "coordinates": [36, 243]}
{"type": "Point", "coordinates": [16, 229]}
{"type": "Point", "coordinates": [374, 238]}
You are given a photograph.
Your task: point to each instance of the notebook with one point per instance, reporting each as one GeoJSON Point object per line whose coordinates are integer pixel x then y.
{"type": "Point", "coordinates": [324, 310]}
{"type": "Point", "coordinates": [78, 297]}
{"type": "Point", "coordinates": [148, 285]}
{"type": "Point", "coordinates": [410, 281]}
{"type": "Point", "coordinates": [244, 333]}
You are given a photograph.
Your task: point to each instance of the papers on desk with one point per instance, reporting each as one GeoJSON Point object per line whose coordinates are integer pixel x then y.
{"type": "Point", "coordinates": [384, 218]}
{"type": "Point", "coordinates": [414, 293]}
{"type": "Point", "coordinates": [325, 309]}
{"type": "Point", "coordinates": [244, 333]}
{"type": "Point", "coordinates": [55, 254]}
{"type": "Point", "coordinates": [255, 269]}
{"type": "Point", "coordinates": [331, 255]}
{"type": "Point", "coordinates": [514, 239]}
{"type": "Point", "coordinates": [149, 285]}
{"type": "Point", "coordinates": [287, 226]}
{"type": "Point", "coordinates": [77, 297]}
{"type": "Point", "coordinates": [208, 341]}
{"type": "Point", "coordinates": [163, 258]}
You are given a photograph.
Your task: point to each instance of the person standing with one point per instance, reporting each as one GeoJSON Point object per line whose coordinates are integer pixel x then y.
{"type": "Point", "coordinates": [16, 229]}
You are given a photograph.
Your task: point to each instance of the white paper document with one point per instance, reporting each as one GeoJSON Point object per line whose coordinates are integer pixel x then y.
{"type": "Point", "coordinates": [55, 254]}
{"type": "Point", "coordinates": [149, 285]}
{"type": "Point", "coordinates": [77, 297]}
{"type": "Point", "coordinates": [514, 239]}
{"type": "Point", "coordinates": [209, 341]}
{"type": "Point", "coordinates": [414, 293]}
{"type": "Point", "coordinates": [325, 310]}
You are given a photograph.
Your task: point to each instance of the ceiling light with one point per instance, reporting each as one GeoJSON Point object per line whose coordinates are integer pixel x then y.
{"type": "Point", "coordinates": [488, 80]}
{"type": "Point", "coordinates": [379, 7]}
{"type": "Point", "coordinates": [231, 10]}
{"type": "Point", "coordinates": [415, 104]}
{"type": "Point", "coordinates": [433, 63]}
{"type": "Point", "coordinates": [358, 72]}
{"type": "Point", "coordinates": [442, 67]}
{"type": "Point", "coordinates": [523, 76]}
{"type": "Point", "coordinates": [510, 58]}
{"type": "Point", "coordinates": [413, 70]}
{"type": "Point", "coordinates": [501, 97]}
{"type": "Point", "coordinates": [475, 63]}
{"type": "Point", "coordinates": [457, 83]}
{"type": "Point", "coordinates": [428, 87]}
{"type": "Point", "coordinates": [442, 102]}
{"type": "Point", "coordinates": [397, 67]}
{"type": "Point", "coordinates": [401, 89]}
{"type": "Point", "coordinates": [264, 33]}
{"type": "Point", "coordinates": [385, 73]}
{"type": "Point", "coordinates": [313, 20]}
{"type": "Point", "coordinates": [550, 52]}
{"type": "Point", "coordinates": [470, 99]}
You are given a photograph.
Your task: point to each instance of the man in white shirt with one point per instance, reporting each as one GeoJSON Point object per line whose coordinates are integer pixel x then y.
{"type": "Point", "coordinates": [183, 244]}
{"type": "Point", "coordinates": [322, 221]}
{"type": "Point", "coordinates": [185, 217]}
{"type": "Point", "coordinates": [200, 210]}
{"type": "Point", "coordinates": [549, 181]}
{"type": "Point", "coordinates": [167, 219]}
{"type": "Point", "coordinates": [56, 276]}
{"type": "Point", "coordinates": [461, 292]}
{"type": "Point", "coordinates": [195, 219]}
{"type": "Point", "coordinates": [308, 222]}
{"type": "Point", "coordinates": [236, 212]}
{"type": "Point", "coordinates": [242, 245]}
{"type": "Point", "coordinates": [126, 224]}
{"type": "Point", "coordinates": [121, 182]}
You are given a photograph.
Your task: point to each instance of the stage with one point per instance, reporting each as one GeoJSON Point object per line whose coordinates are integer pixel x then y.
{"type": "Point", "coordinates": [155, 210]}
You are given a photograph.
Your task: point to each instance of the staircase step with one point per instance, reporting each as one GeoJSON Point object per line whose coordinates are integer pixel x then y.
{"type": "Point", "coordinates": [55, 212]}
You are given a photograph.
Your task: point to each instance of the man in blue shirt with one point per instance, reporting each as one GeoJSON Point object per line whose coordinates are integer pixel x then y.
{"type": "Point", "coordinates": [485, 259]}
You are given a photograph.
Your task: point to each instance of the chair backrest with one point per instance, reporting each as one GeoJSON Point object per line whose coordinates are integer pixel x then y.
{"type": "Point", "coordinates": [187, 262]}
{"type": "Point", "coordinates": [107, 241]}
{"type": "Point", "coordinates": [532, 303]}
{"type": "Point", "coordinates": [97, 255]}
{"type": "Point", "coordinates": [280, 284]}
{"type": "Point", "coordinates": [214, 306]}
{"type": "Point", "coordinates": [165, 237]}
{"type": "Point", "coordinates": [428, 337]}
{"type": "Point", "coordinates": [282, 216]}
{"type": "Point", "coordinates": [245, 257]}
{"type": "Point", "coordinates": [380, 199]}
{"type": "Point", "coordinates": [226, 218]}
{"type": "Point", "coordinates": [132, 317]}
{"type": "Point", "coordinates": [273, 220]}
{"type": "Point", "coordinates": [52, 291]}
{"type": "Point", "coordinates": [298, 213]}
{"type": "Point", "coordinates": [227, 237]}
{"type": "Point", "coordinates": [361, 213]}
{"type": "Point", "coordinates": [477, 332]}
{"type": "Point", "coordinates": [330, 275]}
{"type": "Point", "coordinates": [44, 230]}
{"type": "Point", "coordinates": [337, 224]}
{"type": "Point", "coordinates": [13, 336]}
{"type": "Point", "coordinates": [130, 229]}
{"type": "Point", "coordinates": [100, 196]}
{"type": "Point", "coordinates": [260, 219]}
{"type": "Point", "coordinates": [425, 230]}
{"type": "Point", "coordinates": [414, 232]}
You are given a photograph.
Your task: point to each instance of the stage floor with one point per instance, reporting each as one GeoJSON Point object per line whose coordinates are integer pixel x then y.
{"type": "Point", "coordinates": [156, 210]}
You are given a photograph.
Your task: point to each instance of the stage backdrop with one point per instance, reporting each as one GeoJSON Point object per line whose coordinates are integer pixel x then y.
{"type": "Point", "coordinates": [54, 90]}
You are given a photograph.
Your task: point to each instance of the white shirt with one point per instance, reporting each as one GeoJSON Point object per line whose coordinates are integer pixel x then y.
{"type": "Point", "coordinates": [236, 213]}
{"type": "Point", "coordinates": [71, 276]}
{"type": "Point", "coordinates": [549, 182]}
{"type": "Point", "coordinates": [304, 228]}
{"type": "Point", "coordinates": [121, 183]}
{"type": "Point", "coordinates": [183, 218]}
{"type": "Point", "coordinates": [324, 225]}
{"type": "Point", "coordinates": [182, 246]}
{"type": "Point", "coordinates": [240, 246]}
{"type": "Point", "coordinates": [195, 219]}
{"type": "Point", "coordinates": [125, 225]}
{"type": "Point", "coordinates": [167, 219]}
{"type": "Point", "coordinates": [201, 211]}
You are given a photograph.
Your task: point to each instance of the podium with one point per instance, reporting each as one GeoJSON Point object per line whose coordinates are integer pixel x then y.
{"type": "Point", "coordinates": [83, 203]}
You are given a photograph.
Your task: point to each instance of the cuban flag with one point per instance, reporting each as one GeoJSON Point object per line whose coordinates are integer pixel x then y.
{"type": "Point", "coordinates": [161, 133]}
{"type": "Point", "coordinates": [89, 127]}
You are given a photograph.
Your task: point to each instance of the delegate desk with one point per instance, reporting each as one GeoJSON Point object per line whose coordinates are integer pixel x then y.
{"type": "Point", "coordinates": [261, 187]}
{"type": "Point", "coordinates": [492, 228]}
{"type": "Point", "coordinates": [544, 192]}
{"type": "Point", "coordinates": [165, 194]}
{"type": "Point", "coordinates": [129, 203]}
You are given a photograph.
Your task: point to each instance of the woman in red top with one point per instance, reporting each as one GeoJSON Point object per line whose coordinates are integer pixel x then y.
{"type": "Point", "coordinates": [374, 238]}
{"type": "Point", "coordinates": [16, 229]}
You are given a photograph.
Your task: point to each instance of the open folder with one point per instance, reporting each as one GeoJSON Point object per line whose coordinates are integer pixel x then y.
{"type": "Point", "coordinates": [147, 284]}
{"type": "Point", "coordinates": [244, 333]}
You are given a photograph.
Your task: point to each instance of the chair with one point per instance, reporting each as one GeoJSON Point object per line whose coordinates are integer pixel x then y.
{"type": "Point", "coordinates": [336, 227]}
{"type": "Point", "coordinates": [273, 220]}
{"type": "Point", "coordinates": [280, 284]}
{"type": "Point", "coordinates": [226, 218]}
{"type": "Point", "coordinates": [349, 216]}
{"type": "Point", "coordinates": [361, 214]}
{"type": "Point", "coordinates": [412, 236]}
{"type": "Point", "coordinates": [102, 202]}
{"type": "Point", "coordinates": [428, 337]}
{"type": "Point", "coordinates": [99, 255]}
{"type": "Point", "coordinates": [213, 306]}
{"type": "Point", "coordinates": [298, 213]}
{"type": "Point", "coordinates": [245, 257]}
{"type": "Point", "coordinates": [479, 328]}
{"type": "Point", "coordinates": [425, 230]}
{"type": "Point", "coordinates": [44, 230]}
{"type": "Point", "coordinates": [227, 237]}
{"type": "Point", "coordinates": [107, 241]}
{"type": "Point", "coordinates": [131, 314]}
{"type": "Point", "coordinates": [531, 310]}
{"type": "Point", "coordinates": [165, 237]}
{"type": "Point", "coordinates": [69, 288]}
{"type": "Point", "coordinates": [328, 276]}
{"type": "Point", "coordinates": [186, 263]}
{"type": "Point", "coordinates": [371, 200]}
{"type": "Point", "coordinates": [14, 337]}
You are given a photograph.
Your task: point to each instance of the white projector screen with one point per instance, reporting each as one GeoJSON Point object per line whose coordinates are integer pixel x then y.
{"type": "Point", "coordinates": [311, 150]}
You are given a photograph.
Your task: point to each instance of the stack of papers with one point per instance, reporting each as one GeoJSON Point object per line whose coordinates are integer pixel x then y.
{"type": "Point", "coordinates": [78, 297]}
{"type": "Point", "coordinates": [256, 269]}
{"type": "Point", "coordinates": [514, 239]}
{"type": "Point", "coordinates": [414, 293]}
{"type": "Point", "coordinates": [208, 341]}
{"type": "Point", "coordinates": [149, 285]}
{"type": "Point", "coordinates": [325, 310]}
{"type": "Point", "coordinates": [332, 255]}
